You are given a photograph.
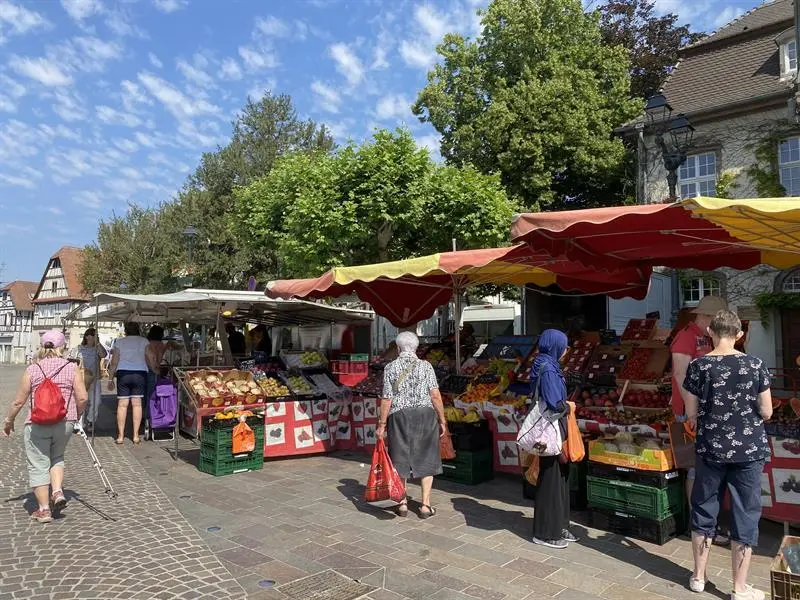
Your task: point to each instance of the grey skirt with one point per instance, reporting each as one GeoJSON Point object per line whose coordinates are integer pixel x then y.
{"type": "Point", "coordinates": [413, 435]}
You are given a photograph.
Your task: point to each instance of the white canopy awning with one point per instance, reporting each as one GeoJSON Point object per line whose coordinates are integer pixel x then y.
{"type": "Point", "coordinates": [204, 306]}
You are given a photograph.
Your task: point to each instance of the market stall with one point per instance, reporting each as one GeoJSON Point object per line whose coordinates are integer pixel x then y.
{"type": "Point", "coordinates": [699, 233]}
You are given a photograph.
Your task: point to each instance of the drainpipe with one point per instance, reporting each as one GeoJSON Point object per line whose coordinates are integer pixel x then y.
{"type": "Point", "coordinates": [641, 166]}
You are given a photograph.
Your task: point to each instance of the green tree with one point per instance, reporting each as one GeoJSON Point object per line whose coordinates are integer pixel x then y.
{"type": "Point", "coordinates": [534, 98]}
{"type": "Point", "coordinates": [652, 41]}
{"type": "Point", "coordinates": [383, 200]}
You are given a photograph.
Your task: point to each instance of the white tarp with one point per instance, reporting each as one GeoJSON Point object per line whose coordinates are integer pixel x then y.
{"type": "Point", "coordinates": [200, 305]}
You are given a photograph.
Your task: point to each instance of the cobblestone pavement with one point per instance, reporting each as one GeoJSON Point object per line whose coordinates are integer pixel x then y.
{"type": "Point", "coordinates": [138, 546]}
{"type": "Point", "coordinates": [300, 517]}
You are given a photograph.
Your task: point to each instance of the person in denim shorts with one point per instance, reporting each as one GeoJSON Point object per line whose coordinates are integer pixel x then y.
{"type": "Point", "coordinates": [727, 402]}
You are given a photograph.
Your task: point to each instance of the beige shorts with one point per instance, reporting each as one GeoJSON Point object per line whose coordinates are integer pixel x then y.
{"type": "Point", "coordinates": [44, 447]}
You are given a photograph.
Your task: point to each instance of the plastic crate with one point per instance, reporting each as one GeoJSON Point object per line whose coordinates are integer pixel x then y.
{"type": "Point", "coordinates": [641, 500]}
{"type": "Point", "coordinates": [785, 585]}
{"type": "Point", "coordinates": [470, 468]}
{"type": "Point", "coordinates": [578, 498]}
{"type": "Point", "coordinates": [236, 464]}
{"type": "Point", "coordinates": [358, 368]}
{"type": "Point", "coordinates": [356, 357]}
{"type": "Point", "coordinates": [649, 530]}
{"type": "Point", "coordinates": [223, 437]}
{"type": "Point", "coordinates": [471, 437]}
{"type": "Point", "coordinates": [658, 479]}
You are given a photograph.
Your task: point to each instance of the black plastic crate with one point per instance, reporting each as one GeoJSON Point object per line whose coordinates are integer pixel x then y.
{"type": "Point", "coordinates": [470, 468]}
{"type": "Point", "coordinates": [648, 530]}
{"type": "Point", "coordinates": [455, 384]}
{"type": "Point", "coordinates": [471, 437]}
{"type": "Point", "coordinates": [659, 479]}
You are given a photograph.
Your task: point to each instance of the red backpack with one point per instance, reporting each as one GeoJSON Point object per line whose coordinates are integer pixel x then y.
{"type": "Point", "coordinates": [47, 404]}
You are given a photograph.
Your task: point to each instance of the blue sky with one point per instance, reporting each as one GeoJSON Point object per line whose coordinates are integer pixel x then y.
{"type": "Point", "coordinates": [108, 102]}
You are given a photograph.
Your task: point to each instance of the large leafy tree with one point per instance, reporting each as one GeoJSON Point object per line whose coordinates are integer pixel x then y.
{"type": "Point", "coordinates": [534, 98]}
{"type": "Point", "coordinates": [383, 200]}
{"type": "Point", "coordinates": [652, 41]}
{"type": "Point", "coordinates": [262, 132]}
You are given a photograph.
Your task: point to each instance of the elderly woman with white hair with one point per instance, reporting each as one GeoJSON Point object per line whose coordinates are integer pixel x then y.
{"type": "Point", "coordinates": [412, 412]}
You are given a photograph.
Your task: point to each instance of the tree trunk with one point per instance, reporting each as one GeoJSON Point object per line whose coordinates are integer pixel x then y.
{"type": "Point", "coordinates": [385, 232]}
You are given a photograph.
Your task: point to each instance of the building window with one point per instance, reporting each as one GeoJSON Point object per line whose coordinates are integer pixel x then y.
{"type": "Point", "coordinates": [789, 159]}
{"type": "Point", "coordinates": [696, 288]}
{"type": "Point", "coordinates": [792, 283]}
{"type": "Point", "coordinates": [54, 287]}
{"type": "Point", "coordinates": [698, 175]}
{"type": "Point", "coordinates": [788, 58]}
{"type": "Point", "coordinates": [56, 263]}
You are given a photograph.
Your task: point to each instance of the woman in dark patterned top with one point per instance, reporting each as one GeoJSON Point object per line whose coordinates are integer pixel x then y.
{"type": "Point", "coordinates": [411, 406]}
{"type": "Point", "coordinates": [728, 401]}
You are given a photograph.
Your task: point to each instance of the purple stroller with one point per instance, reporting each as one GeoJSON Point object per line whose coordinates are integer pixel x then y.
{"type": "Point", "coordinates": [162, 411]}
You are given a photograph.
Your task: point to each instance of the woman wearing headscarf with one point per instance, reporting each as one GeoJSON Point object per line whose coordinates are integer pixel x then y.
{"type": "Point", "coordinates": [551, 515]}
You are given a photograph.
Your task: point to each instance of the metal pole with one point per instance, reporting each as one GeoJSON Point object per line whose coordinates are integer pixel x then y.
{"type": "Point", "coordinates": [458, 329]}
{"type": "Point", "coordinates": [96, 383]}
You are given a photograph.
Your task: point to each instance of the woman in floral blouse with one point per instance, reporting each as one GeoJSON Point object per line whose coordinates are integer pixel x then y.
{"type": "Point", "coordinates": [411, 406]}
{"type": "Point", "coordinates": [727, 402]}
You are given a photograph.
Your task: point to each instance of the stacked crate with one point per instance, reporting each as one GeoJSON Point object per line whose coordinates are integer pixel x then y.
{"type": "Point", "coordinates": [474, 460]}
{"type": "Point", "coordinates": [216, 450]}
{"type": "Point", "coordinates": [649, 505]}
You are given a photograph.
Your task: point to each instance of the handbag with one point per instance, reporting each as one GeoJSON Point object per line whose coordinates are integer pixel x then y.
{"type": "Point", "coordinates": [446, 450]}
{"type": "Point", "coordinates": [540, 433]}
{"type": "Point", "coordinates": [385, 487]}
{"type": "Point", "coordinates": [682, 438]}
{"type": "Point", "coordinates": [576, 451]}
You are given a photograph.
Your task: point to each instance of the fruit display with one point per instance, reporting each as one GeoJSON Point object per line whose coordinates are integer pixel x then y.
{"type": "Point", "coordinates": [325, 384]}
{"type": "Point", "coordinates": [646, 398]}
{"type": "Point", "coordinates": [215, 388]}
{"type": "Point", "coordinates": [479, 392]}
{"type": "Point", "coordinates": [312, 358]}
{"type": "Point", "coordinates": [578, 355]}
{"type": "Point", "coordinates": [639, 330]}
{"type": "Point", "coordinates": [606, 363]}
{"type": "Point", "coordinates": [645, 364]}
{"type": "Point", "coordinates": [371, 385]}
{"type": "Point", "coordinates": [435, 356]}
{"type": "Point", "coordinates": [500, 367]}
{"type": "Point", "coordinates": [232, 413]}
{"type": "Point", "coordinates": [598, 397]}
{"type": "Point", "coordinates": [626, 417]}
{"type": "Point", "coordinates": [454, 384]}
{"type": "Point", "coordinates": [474, 370]}
{"type": "Point", "coordinates": [299, 385]}
{"type": "Point", "coordinates": [273, 388]}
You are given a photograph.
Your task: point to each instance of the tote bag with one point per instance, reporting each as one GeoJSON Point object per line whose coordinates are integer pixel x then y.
{"type": "Point", "coordinates": [540, 433]}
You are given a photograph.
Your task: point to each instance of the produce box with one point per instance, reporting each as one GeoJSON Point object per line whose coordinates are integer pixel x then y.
{"type": "Point", "coordinates": [310, 358]}
{"type": "Point", "coordinates": [216, 456]}
{"type": "Point", "coordinates": [471, 437]}
{"type": "Point", "coordinates": [371, 385]}
{"type": "Point", "coordinates": [297, 384]}
{"type": "Point", "coordinates": [606, 363]}
{"type": "Point", "coordinates": [273, 388]}
{"type": "Point", "coordinates": [470, 468]}
{"type": "Point", "coordinates": [455, 384]}
{"type": "Point", "coordinates": [786, 585]}
{"type": "Point", "coordinates": [659, 479]}
{"type": "Point", "coordinates": [645, 459]}
{"type": "Point", "coordinates": [639, 330]}
{"type": "Point", "coordinates": [646, 363]}
{"type": "Point", "coordinates": [224, 388]}
{"type": "Point", "coordinates": [642, 500]}
{"type": "Point", "coordinates": [578, 356]}
{"type": "Point", "coordinates": [649, 530]}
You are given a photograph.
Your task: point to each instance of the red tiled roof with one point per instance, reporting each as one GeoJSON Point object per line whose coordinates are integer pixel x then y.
{"type": "Point", "coordinates": [71, 259]}
{"type": "Point", "coordinates": [21, 293]}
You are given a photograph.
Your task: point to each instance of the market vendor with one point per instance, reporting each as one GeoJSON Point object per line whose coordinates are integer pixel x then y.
{"type": "Point", "coordinates": [690, 343]}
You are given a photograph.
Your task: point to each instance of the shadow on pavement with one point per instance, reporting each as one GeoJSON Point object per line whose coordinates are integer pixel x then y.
{"type": "Point", "coordinates": [353, 490]}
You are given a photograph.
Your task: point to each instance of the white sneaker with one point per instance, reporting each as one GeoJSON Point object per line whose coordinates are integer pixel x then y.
{"type": "Point", "coordinates": [697, 585]}
{"type": "Point", "coordinates": [749, 593]}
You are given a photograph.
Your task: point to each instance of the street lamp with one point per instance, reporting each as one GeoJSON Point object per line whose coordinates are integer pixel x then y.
{"type": "Point", "coordinates": [673, 136]}
{"type": "Point", "coordinates": [190, 235]}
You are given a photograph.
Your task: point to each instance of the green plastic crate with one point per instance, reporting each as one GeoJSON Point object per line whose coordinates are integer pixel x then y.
{"type": "Point", "coordinates": [227, 466]}
{"type": "Point", "coordinates": [641, 500]}
{"type": "Point", "coordinates": [356, 357]}
{"type": "Point", "coordinates": [223, 437]}
{"type": "Point", "coordinates": [470, 468]}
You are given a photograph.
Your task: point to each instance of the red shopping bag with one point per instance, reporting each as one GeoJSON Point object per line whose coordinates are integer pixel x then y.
{"type": "Point", "coordinates": [385, 488]}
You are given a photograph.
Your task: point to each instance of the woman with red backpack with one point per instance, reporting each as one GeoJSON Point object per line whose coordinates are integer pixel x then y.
{"type": "Point", "coordinates": [54, 390]}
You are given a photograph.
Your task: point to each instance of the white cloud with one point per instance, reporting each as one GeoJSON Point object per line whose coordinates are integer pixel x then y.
{"type": "Point", "coordinates": [145, 140]}
{"type": "Point", "coordinates": [341, 130]}
{"type": "Point", "coordinates": [82, 9]}
{"type": "Point", "coordinates": [194, 74]}
{"type": "Point", "coordinates": [431, 141]}
{"type": "Point", "coordinates": [379, 55]}
{"type": "Point", "coordinates": [133, 96]}
{"type": "Point", "coordinates": [19, 19]}
{"type": "Point", "coordinates": [170, 6]}
{"type": "Point", "coordinates": [13, 88]}
{"type": "Point", "coordinates": [112, 116]}
{"type": "Point", "coordinates": [257, 90]}
{"type": "Point", "coordinates": [154, 60]}
{"type": "Point", "coordinates": [70, 106]}
{"type": "Point", "coordinates": [727, 15]}
{"type": "Point", "coordinates": [54, 210]}
{"type": "Point", "coordinates": [417, 54]}
{"type": "Point", "coordinates": [40, 69]}
{"type": "Point", "coordinates": [126, 145]}
{"type": "Point", "coordinates": [121, 24]}
{"type": "Point", "coordinates": [435, 24]}
{"type": "Point", "coordinates": [430, 26]}
{"type": "Point", "coordinates": [26, 177]}
{"type": "Point", "coordinates": [347, 63]}
{"type": "Point", "coordinates": [326, 97]}
{"type": "Point", "coordinates": [89, 199]}
{"type": "Point", "coordinates": [230, 70]}
{"type": "Point", "coordinates": [88, 54]}
{"type": "Point", "coordinates": [175, 101]}
{"type": "Point", "coordinates": [7, 105]}
{"type": "Point", "coordinates": [256, 60]}
{"type": "Point", "coordinates": [273, 27]}
{"type": "Point", "coordinates": [393, 106]}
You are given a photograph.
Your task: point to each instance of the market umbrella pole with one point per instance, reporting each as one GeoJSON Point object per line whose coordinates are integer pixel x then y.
{"type": "Point", "coordinates": [458, 329]}
{"type": "Point", "coordinates": [93, 393]}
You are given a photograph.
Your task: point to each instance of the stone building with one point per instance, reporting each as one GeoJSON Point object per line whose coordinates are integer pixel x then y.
{"type": "Point", "coordinates": [736, 88]}
{"type": "Point", "coordinates": [16, 321]}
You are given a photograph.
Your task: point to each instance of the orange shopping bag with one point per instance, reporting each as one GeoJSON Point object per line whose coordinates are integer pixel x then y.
{"type": "Point", "coordinates": [575, 448]}
{"type": "Point", "coordinates": [385, 487]}
{"type": "Point", "coordinates": [244, 440]}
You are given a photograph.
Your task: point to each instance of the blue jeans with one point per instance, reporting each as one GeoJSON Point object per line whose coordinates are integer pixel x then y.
{"type": "Point", "coordinates": [743, 481]}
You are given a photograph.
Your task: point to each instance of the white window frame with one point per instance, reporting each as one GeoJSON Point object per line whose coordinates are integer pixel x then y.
{"type": "Point", "coordinates": [791, 285]}
{"type": "Point", "coordinates": [707, 285]}
{"type": "Point", "coordinates": [787, 70]}
{"type": "Point", "coordinates": [789, 170]}
{"type": "Point", "coordinates": [685, 178]}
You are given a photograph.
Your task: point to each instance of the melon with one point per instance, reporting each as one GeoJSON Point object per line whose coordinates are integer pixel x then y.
{"type": "Point", "coordinates": [795, 404]}
{"type": "Point", "coordinates": [776, 403]}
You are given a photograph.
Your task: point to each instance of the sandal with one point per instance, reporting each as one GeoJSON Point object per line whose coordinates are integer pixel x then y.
{"type": "Point", "coordinates": [119, 441]}
{"type": "Point", "coordinates": [427, 515]}
{"type": "Point", "coordinates": [402, 508]}
{"type": "Point", "coordinates": [137, 440]}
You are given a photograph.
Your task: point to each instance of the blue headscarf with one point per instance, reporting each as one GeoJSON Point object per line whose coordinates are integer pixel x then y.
{"type": "Point", "coordinates": [553, 388]}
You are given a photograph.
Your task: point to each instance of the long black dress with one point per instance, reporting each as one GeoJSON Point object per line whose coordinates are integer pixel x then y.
{"type": "Point", "coordinates": [551, 512]}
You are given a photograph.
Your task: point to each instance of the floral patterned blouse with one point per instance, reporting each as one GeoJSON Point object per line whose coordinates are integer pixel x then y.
{"type": "Point", "coordinates": [729, 426]}
{"type": "Point", "coordinates": [416, 380]}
